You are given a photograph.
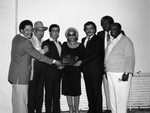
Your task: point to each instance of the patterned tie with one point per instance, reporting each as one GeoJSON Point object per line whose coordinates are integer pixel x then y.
{"type": "Point", "coordinates": [88, 41]}
{"type": "Point", "coordinates": [108, 37]}
{"type": "Point", "coordinates": [108, 48]}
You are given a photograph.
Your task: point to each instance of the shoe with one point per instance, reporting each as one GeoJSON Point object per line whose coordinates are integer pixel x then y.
{"type": "Point", "coordinates": [77, 111]}
{"type": "Point", "coordinates": [70, 109]}
{"type": "Point", "coordinates": [108, 111]}
{"type": "Point", "coordinates": [89, 111]}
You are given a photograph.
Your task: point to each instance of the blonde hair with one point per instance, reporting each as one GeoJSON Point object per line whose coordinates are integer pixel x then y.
{"type": "Point", "coordinates": [74, 30]}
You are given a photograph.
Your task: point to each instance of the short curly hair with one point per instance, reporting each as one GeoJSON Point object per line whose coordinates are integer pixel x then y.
{"type": "Point", "coordinates": [52, 26]}
{"type": "Point", "coordinates": [74, 30]}
{"type": "Point", "coordinates": [24, 23]}
{"type": "Point", "coordinates": [108, 18]}
{"type": "Point", "coordinates": [90, 23]}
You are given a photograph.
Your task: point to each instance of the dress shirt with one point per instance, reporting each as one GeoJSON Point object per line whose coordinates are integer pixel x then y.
{"type": "Point", "coordinates": [111, 44]}
{"type": "Point", "coordinates": [23, 36]}
{"type": "Point", "coordinates": [106, 42]}
{"type": "Point", "coordinates": [87, 39]}
{"type": "Point", "coordinates": [37, 45]}
{"type": "Point", "coordinates": [57, 45]}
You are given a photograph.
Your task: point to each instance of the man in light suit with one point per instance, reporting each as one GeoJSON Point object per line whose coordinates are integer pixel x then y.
{"type": "Point", "coordinates": [93, 68]}
{"type": "Point", "coordinates": [20, 67]}
{"type": "Point", "coordinates": [119, 65]}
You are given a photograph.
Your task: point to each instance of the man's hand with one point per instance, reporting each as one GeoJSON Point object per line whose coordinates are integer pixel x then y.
{"type": "Point", "coordinates": [125, 77]}
{"type": "Point", "coordinates": [58, 63]}
{"type": "Point", "coordinates": [60, 68]}
{"type": "Point", "coordinates": [78, 63]}
{"type": "Point", "coordinates": [45, 48]}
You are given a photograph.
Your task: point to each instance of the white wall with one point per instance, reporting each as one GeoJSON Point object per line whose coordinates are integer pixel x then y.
{"type": "Point", "coordinates": [132, 14]}
{"type": "Point", "coordinates": [7, 31]}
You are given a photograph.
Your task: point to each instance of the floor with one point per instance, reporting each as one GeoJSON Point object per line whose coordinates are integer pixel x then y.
{"type": "Point", "coordinates": [129, 111]}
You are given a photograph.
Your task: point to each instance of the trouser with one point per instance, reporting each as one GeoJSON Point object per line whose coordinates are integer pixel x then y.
{"type": "Point", "coordinates": [19, 98]}
{"type": "Point", "coordinates": [52, 95]}
{"type": "Point", "coordinates": [36, 89]}
{"type": "Point", "coordinates": [94, 93]}
{"type": "Point", "coordinates": [106, 90]}
{"type": "Point", "coordinates": [118, 92]}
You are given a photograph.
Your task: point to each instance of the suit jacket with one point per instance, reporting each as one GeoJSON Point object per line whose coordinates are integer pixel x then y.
{"type": "Point", "coordinates": [121, 58]}
{"type": "Point", "coordinates": [93, 61]}
{"type": "Point", "coordinates": [51, 71]}
{"type": "Point", "coordinates": [101, 35]}
{"type": "Point", "coordinates": [21, 54]}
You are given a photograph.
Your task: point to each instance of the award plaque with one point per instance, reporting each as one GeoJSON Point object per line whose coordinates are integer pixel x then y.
{"type": "Point", "coordinates": [68, 60]}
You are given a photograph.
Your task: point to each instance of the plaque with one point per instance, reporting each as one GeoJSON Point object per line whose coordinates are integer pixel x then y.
{"type": "Point", "coordinates": [68, 60]}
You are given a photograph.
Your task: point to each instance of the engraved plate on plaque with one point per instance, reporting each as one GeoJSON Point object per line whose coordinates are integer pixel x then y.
{"type": "Point", "coordinates": [68, 60]}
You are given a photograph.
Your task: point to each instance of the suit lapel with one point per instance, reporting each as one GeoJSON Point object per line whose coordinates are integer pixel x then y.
{"type": "Point", "coordinates": [91, 41]}
{"type": "Point", "coordinates": [104, 39]}
{"type": "Point", "coordinates": [53, 47]}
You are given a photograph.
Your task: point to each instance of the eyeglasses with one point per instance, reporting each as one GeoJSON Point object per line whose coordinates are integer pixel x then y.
{"type": "Point", "coordinates": [71, 34]}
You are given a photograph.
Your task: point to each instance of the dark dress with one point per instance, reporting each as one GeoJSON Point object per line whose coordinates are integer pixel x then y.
{"type": "Point", "coordinates": [71, 75]}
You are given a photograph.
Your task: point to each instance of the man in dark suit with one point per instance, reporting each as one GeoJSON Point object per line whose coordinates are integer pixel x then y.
{"type": "Point", "coordinates": [52, 73]}
{"type": "Point", "coordinates": [20, 67]}
{"type": "Point", "coordinates": [104, 36]}
{"type": "Point", "coordinates": [92, 68]}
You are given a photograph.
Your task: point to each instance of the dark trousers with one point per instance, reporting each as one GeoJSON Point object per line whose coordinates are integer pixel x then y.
{"type": "Point", "coordinates": [93, 84]}
{"type": "Point", "coordinates": [36, 89]}
{"type": "Point", "coordinates": [52, 95]}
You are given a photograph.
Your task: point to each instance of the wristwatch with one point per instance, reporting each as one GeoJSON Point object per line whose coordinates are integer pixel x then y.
{"type": "Point", "coordinates": [53, 61]}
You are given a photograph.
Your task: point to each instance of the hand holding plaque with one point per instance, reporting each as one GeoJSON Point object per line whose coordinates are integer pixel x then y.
{"type": "Point", "coordinates": [78, 63]}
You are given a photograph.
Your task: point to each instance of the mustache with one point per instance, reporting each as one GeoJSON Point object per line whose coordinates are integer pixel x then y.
{"type": "Point", "coordinates": [89, 32]}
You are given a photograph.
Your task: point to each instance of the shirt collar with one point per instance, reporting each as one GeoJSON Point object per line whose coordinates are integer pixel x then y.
{"type": "Point", "coordinates": [90, 37]}
{"type": "Point", "coordinates": [107, 32]}
{"type": "Point", "coordinates": [23, 36]}
{"type": "Point", "coordinates": [111, 38]}
{"type": "Point", "coordinates": [118, 37]}
{"type": "Point", "coordinates": [36, 39]}
{"type": "Point", "coordinates": [51, 39]}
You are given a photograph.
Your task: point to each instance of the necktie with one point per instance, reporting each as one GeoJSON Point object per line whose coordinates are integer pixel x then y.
{"type": "Point", "coordinates": [88, 41]}
{"type": "Point", "coordinates": [108, 49]}
{"type": "Point", "coordinates": [108, 37]}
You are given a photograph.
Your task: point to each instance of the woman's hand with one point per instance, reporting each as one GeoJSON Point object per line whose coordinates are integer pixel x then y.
{"type": "Point", "coordinates": [78, 63]}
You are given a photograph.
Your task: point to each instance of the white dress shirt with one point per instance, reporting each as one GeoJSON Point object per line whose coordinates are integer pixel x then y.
{"type": "Point", "coordinates": [37, 45]}
{"type": "Point", "coordinates": [111, 44]}
{"type": "Point", "coordinates": [87, 39]}
{"type": "Point", "coordinates": [106, 42]}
